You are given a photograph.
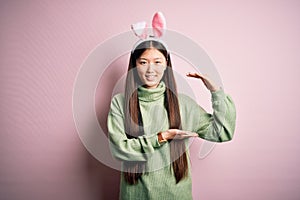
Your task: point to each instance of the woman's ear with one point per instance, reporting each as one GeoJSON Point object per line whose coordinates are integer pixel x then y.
{"type": "Point", "coordinates": [168, 60]}
{"type": "Point", "coordinates": [165, 66]}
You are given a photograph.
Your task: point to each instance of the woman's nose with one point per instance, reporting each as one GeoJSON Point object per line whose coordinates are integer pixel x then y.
{"type": "Point", "coordinates": [150, 67]}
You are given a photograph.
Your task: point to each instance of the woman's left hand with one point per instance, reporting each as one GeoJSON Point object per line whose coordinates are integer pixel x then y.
{"type": "Point", "coordinates": [210, 85]}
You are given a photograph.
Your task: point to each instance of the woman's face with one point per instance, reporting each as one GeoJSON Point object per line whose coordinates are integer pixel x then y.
{"type": "Point", "coordinates": [150, 67]}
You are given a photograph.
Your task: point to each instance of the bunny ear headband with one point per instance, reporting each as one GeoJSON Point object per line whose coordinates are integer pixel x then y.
{"type": "Point", "coordinates": [140, 29]}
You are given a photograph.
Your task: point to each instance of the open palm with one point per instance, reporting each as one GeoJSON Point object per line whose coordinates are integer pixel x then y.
{"type": "Point", "coordinates": [210, 85]}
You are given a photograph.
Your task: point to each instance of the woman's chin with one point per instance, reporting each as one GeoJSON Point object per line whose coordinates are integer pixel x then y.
{"type": "Point", "coordinates": [150, 84]}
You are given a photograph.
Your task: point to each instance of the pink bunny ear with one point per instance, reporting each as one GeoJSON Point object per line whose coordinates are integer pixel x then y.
{"type": "Point", "coordinates": [158, 24]}
{"type": "Point", "coordinates": [140, 29]}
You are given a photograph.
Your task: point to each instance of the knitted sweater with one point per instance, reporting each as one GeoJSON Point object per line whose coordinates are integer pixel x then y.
{"type": "Point", "coordinates": [159, 181]}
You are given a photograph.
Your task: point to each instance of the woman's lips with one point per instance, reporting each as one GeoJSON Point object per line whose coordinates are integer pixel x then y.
{"type": "Point", "coordinates": [150, 77]}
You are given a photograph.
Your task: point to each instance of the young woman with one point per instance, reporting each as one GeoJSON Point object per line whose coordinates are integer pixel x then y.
{"type": "Point", "coordinates": [150, 125]}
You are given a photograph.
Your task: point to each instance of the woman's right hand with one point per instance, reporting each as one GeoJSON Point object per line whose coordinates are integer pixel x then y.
{"type": "Point", "coordinates": [177, 134]}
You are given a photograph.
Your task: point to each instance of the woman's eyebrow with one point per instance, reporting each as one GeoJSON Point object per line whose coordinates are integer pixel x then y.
{"type": "Point", "coordinates": [157, 58]}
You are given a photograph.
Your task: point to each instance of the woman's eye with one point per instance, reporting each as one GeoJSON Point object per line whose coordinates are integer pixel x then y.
{"type": "Point", "coordinates": [158, 62]}
{"type": "Point", "coordinates": [143, 63]}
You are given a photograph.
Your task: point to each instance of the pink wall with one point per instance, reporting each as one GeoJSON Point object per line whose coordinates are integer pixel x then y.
{"type": "Point", "coordinates": [254, 45]}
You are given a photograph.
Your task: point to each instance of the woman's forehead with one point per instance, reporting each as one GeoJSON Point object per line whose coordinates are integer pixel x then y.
{"type": "Point", "coordinates": [152, 54]}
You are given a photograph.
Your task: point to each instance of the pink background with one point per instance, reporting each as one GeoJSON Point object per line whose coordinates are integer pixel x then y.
{"type": "Point", "coordinates": [254, 45]}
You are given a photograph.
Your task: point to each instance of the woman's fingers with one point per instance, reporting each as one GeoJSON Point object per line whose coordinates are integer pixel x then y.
{"type": "Point", "coordinates": [181, 134]}
{"type": "Point", "coordinates": [209, 84]}
{"type": "Point", "coordinates": [178, 134]}
{"type": "Point", "coordinates": [194, 75]}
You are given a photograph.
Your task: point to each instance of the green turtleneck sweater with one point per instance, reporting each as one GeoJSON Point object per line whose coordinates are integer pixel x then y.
{"type": "Point", "coordinates": [159, 182]}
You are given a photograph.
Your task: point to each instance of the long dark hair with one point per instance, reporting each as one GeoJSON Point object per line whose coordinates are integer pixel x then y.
{"type": "Point", "coordinates": [133, 170]}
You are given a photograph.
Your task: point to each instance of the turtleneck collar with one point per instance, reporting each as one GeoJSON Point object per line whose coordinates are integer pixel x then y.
{"type": "Point", "coordinates": [151, 94]}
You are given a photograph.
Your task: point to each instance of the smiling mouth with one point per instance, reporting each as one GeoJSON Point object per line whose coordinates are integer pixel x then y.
{"type": "Point", "coordinates": [150, 77]}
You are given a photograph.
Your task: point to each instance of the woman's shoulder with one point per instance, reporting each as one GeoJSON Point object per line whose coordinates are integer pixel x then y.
{"type": "Point", "coordinates": [119, 96]}
{"type": "Point", "coordinates": [184, 98]}
{"type": "Point", "coordinates": [118, 100]}
{"type": "Point", "coordinates": [188, 106]}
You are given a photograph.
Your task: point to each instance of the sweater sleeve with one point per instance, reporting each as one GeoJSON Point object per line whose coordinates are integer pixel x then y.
{"type": "Point", "coordinates": [219, 126]}
{"type": "Point", "coordinates": [122, 148]}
